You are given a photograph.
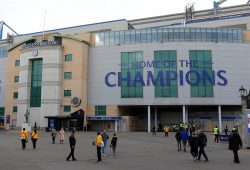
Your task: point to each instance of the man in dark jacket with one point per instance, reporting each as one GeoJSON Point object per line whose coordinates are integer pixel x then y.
{"type": "Point", "coordinates": [194, 143]}
{"type": "Point", "coordinates": [178, 139]}
{"type": "Point", "coordinates": [202, 140]}
{"type": "Point", "coordinates": [235, 143]}
{"type": "Point", "coordinates": [72, 144]}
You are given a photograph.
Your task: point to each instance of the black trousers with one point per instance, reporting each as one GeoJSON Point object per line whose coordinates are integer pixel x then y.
{"type": "Point", "coordinates": [72, 153]}
{"type": "Point", "coordinates": [23, 143]}
{"type": "Point", "coordinates": [53, 140]}
{"type": "Point", "coordinates": [194, 151]}
{"type": "Point", "coordinates": [202, 151]}
{"type": "Point", "coordinates": [99, 155]}
{"type": "Point", "coordinates": [216, 138]}
{"type": "Point", "coordinates": [34, 143]}
{"type": "Point", "coordinates": [236, 157]}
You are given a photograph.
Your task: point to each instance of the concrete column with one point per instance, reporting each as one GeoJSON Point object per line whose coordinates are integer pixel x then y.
{"type": "Point", "coordinates": [183, 114]}
{"type": "Point", "coordinates": [219, 115]}
{"type": "Point", "coordinates": [116, 126]}
{"type": "Point", "coordinates": [155, 117]}
{"type": "Point", "coordinates": [186, 115]}
{"type": "Point", "coordinates": [149, 119]}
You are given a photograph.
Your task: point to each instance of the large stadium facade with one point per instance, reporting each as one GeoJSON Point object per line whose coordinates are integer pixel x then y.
{"type": "Point", "coordinates": [131, 75]}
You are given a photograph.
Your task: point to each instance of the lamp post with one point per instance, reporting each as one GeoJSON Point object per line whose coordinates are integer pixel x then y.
{"type": "Point", "coordinates": [245, 105]}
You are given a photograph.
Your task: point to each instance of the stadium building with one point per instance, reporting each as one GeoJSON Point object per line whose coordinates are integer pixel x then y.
{"type": "Point", "coordinates": [131, 75]}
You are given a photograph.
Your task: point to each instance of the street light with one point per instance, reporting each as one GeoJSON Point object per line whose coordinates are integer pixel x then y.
{"type": "Point", "coordinates": [245, 105]}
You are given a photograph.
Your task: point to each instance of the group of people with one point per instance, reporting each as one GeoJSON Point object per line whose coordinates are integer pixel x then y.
{"type": "Point", "coordinates": [197, 142]}
{"type": "Point", "coordinates": [24, 138]}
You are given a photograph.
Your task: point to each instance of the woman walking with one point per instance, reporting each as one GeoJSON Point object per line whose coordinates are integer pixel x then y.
{"type": "Point", "coordinates": [34, 137]}
{"type": "Point", "coordinates": [61, 135]}
{"type": "Point", "coordinates": [99, 145]}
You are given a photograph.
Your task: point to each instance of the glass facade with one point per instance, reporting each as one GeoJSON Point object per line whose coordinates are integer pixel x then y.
{"type": "Point", "coordinates": [167, 60]}
{"type": "Point", "coordinates": [160, 35]}
{"type": "Point", "coordinates": [100, 110]}
{"type": "Point", "coordinates": [2, 109]}
{"type": "Point", "coordinates": [36, 83]}
{"type": "Point", "coordinates": [67, 93]}
{"type": "Point", "coordinates": [68, 57]}
{"type": "Point", "coordinates": [67, 108]}
{"type": "Point", "coordinates": [200, 84]}
{"type": "Point", "coordinates": [67, 75]}
{"type": "Point", "coordinates": [3, 51]}
{"type": "Point", "coordinates": [130, 71]}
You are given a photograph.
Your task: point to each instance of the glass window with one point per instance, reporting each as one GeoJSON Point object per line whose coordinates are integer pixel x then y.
{"type": "Point", "coordinates": [14, 109]}
{"type": "Point", "coordinates": [15, 95]}
{"type": "Point", "coordinates": [67, 75]}
{"type": "Point", "coordinates": [67, 93]}
{"type": "Point", "coordinates": [100, 110]}
{"type": "Point", "coordinates": [149, 36]}
{"type": "Point", "coordinates": [138, 36]}
{"type": "Point", "coordinates": [187, 34]}
{"type": "Point", "coordinates": [131, 89]}
{"type": "Point", "coordinates": [106, 38]}
{"type": "Point", "coordinates": [121, 37]}
{"type": "Point", "coordinates": [165, 35]}
{"type": "Point", "coordinates": [16, 79]}
{"type": "Point", "coordinates": [143, 36]}
{"type": "Point", "coordinates": [36, 83]}
{"type": "Point", "coordinates": [159, 35]}
{"type": "Point", "coordinates": [68, 57]}
{"type": "Point", "coordinates": [169, 88]}
{"type": "Point", "coordinates": [111, 38]}
{"type": "Point", "coordinates": [154, 35]}
{"type": "Point", "coordinates": [202, 87]}
{"type": "Point", "coordinates": [127, 37]}
{"type": "Point", "coordinates": [17, 63]}
{"type": "Point", "coordinates": [67, 108]}
{"type": "Point", "coordinates": [2, 110]}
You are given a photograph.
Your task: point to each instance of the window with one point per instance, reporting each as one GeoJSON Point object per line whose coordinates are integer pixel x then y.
{"type": "Point", "coordinates": [2, 111]}
{"type": "Point", "coordinates": [100, 110]}
{"type": "Point", "coordinates": [167, 66]}
{"type": "Point", "coordinates": [68, 57]}
{"type": "Point", "coordinates": [14, 109]}
{"type": "Point", "coordinates": [17, 63]}
{"type": "Point", "coordinates": [36, 83]}
{"type": "Point", "coordinates": [15, 95]}
{"type": "Point", "coordinates": [67, 75]}
{"type": "Point", "coordinates": [16, 79]}
{"type": "Point", "coordinates": [67, 108]}
{"type": "Point", "coordinates": [67, 93]}
{"type": "Point", "coordinates": [130, 68]}
{"type": "Point", "coordinates": [202, 86]}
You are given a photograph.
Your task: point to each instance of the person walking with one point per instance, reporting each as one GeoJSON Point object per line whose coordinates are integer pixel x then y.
{"type": "Point", "coordinates": [72, 144]}
{"type": "Point", "coordinates": [113, 143]}
{"type": "Point", "coordinates": [202, 141]}
{"type": "Point", "coordinates": [154, 130]}
{"type": "Point", "coordinates": [194, 144]}
{"type": "Point", "coordinates": [235, 143]}
{"type": "Point", "coordinates": [178, 139]}
{"type": "Point", "coordinates": [105, 138]}
{"type": "Point", "coordinates": [53, 135]}
{"type": "Point", "coordinates": [216, 134]}
{"type": "Point", "coordinates": [34, 137]}
{"type": "Point", "coordinates": [226, 130]}
{"type": "Point", "coordinates": [166, 130]}
{"type": "Point", "coordinates": [184, 139]}
{"type": "Point", "coordinates": [99, 144]}
{"type": "Point", "coordinates": [24, 138]}
{"type": "Point", "coordinates": [61, 135]}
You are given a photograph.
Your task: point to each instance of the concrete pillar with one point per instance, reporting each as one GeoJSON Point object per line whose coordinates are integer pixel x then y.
{"type": "Point", "coordinates": [186, 115]}
{"type": "Point", "coordinates": [183, 114]}
{"type": "Point", "coordinates": [155, 117]}
{"type": "Point", "coordinates": [219, 115]}
{"type": "Point", "coordinates": [149, 119]}
{"type": "Point", "coordinates": [116, 126]}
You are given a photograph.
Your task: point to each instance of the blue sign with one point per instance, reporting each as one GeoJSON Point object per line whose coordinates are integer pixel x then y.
{"type": "Point", "coordinates": [7, 119]}
{"type": "Point", "coordinates": [164, 78]}
{"type": "Point", "coordinates": [104, 118]}
{"type": "Point", "coordinates": [52, 124]}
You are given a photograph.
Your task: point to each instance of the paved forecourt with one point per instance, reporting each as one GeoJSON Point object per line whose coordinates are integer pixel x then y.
{"type": "Point", "coordinates": [135, 150]}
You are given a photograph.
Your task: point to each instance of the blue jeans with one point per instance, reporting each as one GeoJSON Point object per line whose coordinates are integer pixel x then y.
{"type": "Point", "coordinates": [104, 148]}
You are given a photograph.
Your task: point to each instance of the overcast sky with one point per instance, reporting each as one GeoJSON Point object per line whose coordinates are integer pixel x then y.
{"type": "Point", "coordinates": [26, 16]}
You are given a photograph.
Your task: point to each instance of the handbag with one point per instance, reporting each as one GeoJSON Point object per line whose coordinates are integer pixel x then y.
{"type": "Point", "coordinates": [101, 144]}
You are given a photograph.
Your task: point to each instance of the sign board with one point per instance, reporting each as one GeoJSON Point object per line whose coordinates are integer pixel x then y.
{"type": "Point", "coordinates": [7, 119]}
